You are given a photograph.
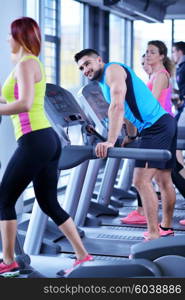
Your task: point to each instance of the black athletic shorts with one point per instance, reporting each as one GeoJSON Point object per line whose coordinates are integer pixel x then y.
{"type": "Point", "coordinates": [161, 135]}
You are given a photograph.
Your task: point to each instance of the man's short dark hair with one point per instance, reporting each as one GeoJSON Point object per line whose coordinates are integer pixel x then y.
{"type": "Point", "coordinates": [84, 52]}
{"type": "Point", "coordinates": [180, 46]}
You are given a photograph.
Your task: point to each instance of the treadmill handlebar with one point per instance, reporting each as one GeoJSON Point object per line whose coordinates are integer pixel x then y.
{"type": "Point", "coordinates": [142, 154]}
{"type": "Point", "coordinates": [75, 155]}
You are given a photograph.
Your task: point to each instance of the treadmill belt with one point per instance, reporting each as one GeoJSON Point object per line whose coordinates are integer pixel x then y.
{"type": "Point", "coordinates": [115, 221]}
{"type": "Point", "coordinates": [110, 241]}
{"type": "Point", "coordinates": [123, 212]}
{"type": "Point", "coordinates": [180, 202]}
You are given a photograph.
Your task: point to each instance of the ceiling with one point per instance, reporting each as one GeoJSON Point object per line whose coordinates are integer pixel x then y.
{"type": "Point", "coordinates": [148, 10]}
{"type": "Point", "coordinates": [176, 10]}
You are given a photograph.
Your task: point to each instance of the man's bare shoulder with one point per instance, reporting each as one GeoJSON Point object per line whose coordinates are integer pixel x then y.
{"type": "Point", "coordinates": [116, 69]}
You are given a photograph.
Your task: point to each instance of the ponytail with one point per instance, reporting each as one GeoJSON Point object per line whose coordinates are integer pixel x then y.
{"type": "Point", "coordinates": [169, 65]}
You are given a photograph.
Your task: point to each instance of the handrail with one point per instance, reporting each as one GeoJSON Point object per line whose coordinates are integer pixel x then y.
{"type": "Point", "coordinates": [74, 155]}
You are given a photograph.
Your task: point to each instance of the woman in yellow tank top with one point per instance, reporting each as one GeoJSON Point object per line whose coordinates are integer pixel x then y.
{"type": "Point", "coordinates": [36, 157]}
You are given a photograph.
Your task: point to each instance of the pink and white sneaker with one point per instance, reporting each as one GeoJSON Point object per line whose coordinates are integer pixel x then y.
{"type": "Point", "coordinates": [182, 222]}
{"type": "Point", "coordinates": [168, 231]}
{"type": "Point", "coordinates": [163, 232]}
{"type": "Point", "coordinates": [134, 218]}
{"type": "Point", "coordinates": [78, 262]}
{"type": "Point", "coordinates": [10, 270]}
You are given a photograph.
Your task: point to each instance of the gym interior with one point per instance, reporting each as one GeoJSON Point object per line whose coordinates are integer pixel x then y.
{"type": "Point", "coordinates": [97, 193]}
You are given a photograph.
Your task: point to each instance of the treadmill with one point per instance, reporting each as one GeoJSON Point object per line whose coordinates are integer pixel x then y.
{"type": "Point", "coordinates": [85, 95]}
{"type": "Point", "coordinates": [103, 241]}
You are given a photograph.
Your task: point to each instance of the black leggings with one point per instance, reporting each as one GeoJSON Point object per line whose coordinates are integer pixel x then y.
{"type": "Point", "coordinates": [35, 159]}
{"type": "Point", "coordinates": [178, 179]}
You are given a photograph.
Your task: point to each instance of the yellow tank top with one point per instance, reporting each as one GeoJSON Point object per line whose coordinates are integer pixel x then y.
{"type": "Point", "coordinates": [35, 119]}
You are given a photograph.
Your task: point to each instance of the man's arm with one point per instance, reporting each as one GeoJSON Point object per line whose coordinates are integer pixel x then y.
{"type": "Point", "coordinates": [115, 78]}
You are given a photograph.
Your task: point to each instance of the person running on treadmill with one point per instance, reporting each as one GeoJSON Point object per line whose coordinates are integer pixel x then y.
{"type": "Point", "coordinates": [131, 101]}
{"type": "Point", "coordinates": [159, 81]}
{"type": "Point", "coordinates": [159, 69]}
{"type": "Point", "coordinates": [37, 155]}
{"type": "Point", "coordinates": [137, 216]}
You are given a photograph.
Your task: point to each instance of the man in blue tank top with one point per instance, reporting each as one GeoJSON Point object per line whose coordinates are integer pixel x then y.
{"type": "Point", "coordinates": [132, 103]}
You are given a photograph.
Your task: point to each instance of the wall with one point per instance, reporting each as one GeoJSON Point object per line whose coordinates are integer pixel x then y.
{"type": "Point", "coordinates": [10, 10]}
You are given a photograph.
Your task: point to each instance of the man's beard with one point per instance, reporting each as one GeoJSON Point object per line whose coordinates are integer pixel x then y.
{"type": "Point", "coordinates": [97, 75]}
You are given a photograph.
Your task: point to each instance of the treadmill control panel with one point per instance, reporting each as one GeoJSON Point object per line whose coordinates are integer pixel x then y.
{"type": "Point", "coordinates": [94, 96]}
{"type": "Point", "coordinates": [62, 107]}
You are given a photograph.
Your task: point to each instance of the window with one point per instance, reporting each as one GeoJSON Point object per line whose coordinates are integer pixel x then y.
{"type": "Point", "coordinates": [116, 38]}
{"type": "Point", "coordinates": [31, 9]}
{"type": "Point", "coordinates": [143, 33]}
{"type": "Point", "coordinates": [179, 30]}
{"type": "Point", "coordinates": [50, 61]}
{"type": "Point", "coordinates": [51, 40]}
{"type": "Point", "coordinates": [50, 17]}
{"type": "Point", "coordinates": [71, 42]}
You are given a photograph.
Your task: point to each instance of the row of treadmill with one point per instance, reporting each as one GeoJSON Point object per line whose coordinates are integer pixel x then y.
{"type": "Point", "coordinates": [98, 194]}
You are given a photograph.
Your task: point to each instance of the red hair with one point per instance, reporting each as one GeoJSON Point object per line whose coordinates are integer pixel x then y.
{"type": "Point", "coordinates": [27, 33]}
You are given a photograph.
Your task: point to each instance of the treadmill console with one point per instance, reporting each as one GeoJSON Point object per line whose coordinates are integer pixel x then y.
{"type": "Point", "coordinates": [94, 96]}
{"type": "Point", "coordinates": [61, 107]}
